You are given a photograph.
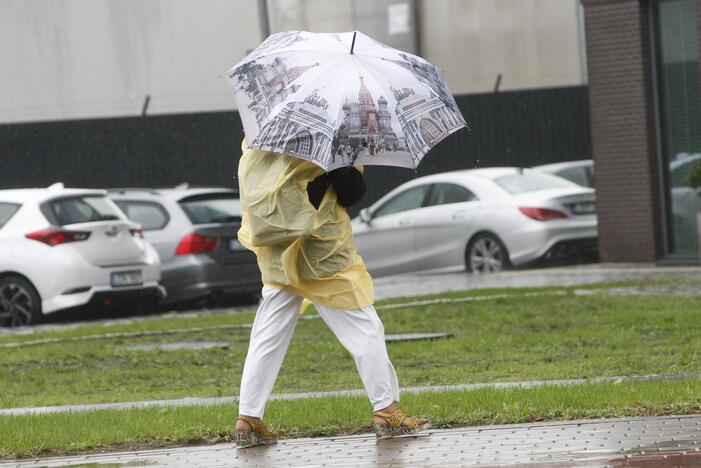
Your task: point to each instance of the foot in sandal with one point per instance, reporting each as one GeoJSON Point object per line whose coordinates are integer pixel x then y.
{"type": "Point", "coordinates": [393, 422]}
{"type": "Point", "coordinates": [251, 432]}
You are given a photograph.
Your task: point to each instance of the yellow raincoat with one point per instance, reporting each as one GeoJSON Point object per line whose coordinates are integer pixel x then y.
{"type": "Point", "coordinates": [300, 249]}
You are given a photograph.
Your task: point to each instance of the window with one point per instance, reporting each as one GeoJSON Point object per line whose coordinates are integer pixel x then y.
{"type": "Point", "coordinates": [212, 208]}
{"type": "Point", "coordinates": [410, 199]}
{"type": "Point", "coordinates": [530, 182]}
{"type": "Point", "coordinates": [151, 216]}
{"type": "Point", "coordinates": [578, 175]}
{"type": "Point", "coordinates": [83, 209]}
{"type": "Point", "coordinates": [7, 210]}
{"type": "Point", "coordinates": [444, 194]}
{"type": "Point", "coordinates": [679, 91]}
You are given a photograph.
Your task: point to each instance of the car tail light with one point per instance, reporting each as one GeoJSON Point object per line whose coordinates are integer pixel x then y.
{"type": "Point", "coordinates": [53, 237]}
{"type": "Point", "coordinates": [137, 233]}
{"type": "Point", "coordinates": [542, 214]}
{"type": "Point", "coordinates": [195, 244]}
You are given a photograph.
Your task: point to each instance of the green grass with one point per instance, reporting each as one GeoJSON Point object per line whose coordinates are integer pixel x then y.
{"type": "Point", "coordinates": [156, 323]}
{"type": "Point", "coordinates": [519, 338]}
{"type": "Point", "coordinates": [130, 429]}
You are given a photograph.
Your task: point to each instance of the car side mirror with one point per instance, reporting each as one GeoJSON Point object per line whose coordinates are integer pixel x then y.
{"type": "Point", "coordinates": [365, 216]}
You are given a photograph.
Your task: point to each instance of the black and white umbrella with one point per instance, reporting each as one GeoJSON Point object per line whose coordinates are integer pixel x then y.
{"type": "Point", "coordinates": [342, 99]}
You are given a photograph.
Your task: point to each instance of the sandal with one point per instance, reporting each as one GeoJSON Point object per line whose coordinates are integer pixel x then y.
{"type": "Point", "coordinates": [258, 435]}
{"type": "Point", "coordinates": [394, 426]}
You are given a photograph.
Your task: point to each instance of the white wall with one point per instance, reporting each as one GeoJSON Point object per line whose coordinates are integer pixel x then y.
{"type": "Point", "coordinates": [532, 43]}
{"type": "Point", "coordinates": [72, 59]}
{"type": "Point", "coordinates": [94, 58]}
{"type": "Point", "coordinates": [311, 15]}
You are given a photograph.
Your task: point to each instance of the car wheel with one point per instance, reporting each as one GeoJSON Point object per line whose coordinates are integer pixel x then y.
{"type": "Point", "coordinates": [486, 254]}
{"type": "Point", "coordinates": [20, 303]}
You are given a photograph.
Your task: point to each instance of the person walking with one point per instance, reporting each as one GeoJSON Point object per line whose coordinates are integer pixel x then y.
{"type": "Point", "coordinates": [295, 221]}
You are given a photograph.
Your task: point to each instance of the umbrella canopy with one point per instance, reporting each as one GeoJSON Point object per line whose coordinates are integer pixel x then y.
{"type": "Point", "coordinates": [342, 99]}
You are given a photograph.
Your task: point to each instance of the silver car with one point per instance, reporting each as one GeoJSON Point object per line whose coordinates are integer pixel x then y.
{"type": "Point", "coordinates": [580, 172]}
{"type": "Point", "coordinates": [483, 220]}
{"type": "Point", "coordinates": [194, 232]}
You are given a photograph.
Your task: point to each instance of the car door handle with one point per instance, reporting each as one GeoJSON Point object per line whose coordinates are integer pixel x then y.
{"type": "Point", "coordinates": [458, 215]}
{"type": "Point", "coordinates": [404, 222]}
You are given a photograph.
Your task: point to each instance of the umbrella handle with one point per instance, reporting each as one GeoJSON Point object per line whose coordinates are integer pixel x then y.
{"type": "Point", "coordinates": [353, 43]}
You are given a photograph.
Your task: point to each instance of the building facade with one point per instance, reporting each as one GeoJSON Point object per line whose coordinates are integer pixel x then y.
{"type": "Point", "coordinates": [645, 111]}
{"type": "Point", "coordinates": [84, 59]}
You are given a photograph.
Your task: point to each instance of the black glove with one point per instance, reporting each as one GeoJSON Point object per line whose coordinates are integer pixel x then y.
{"type": "Point", "coordinates": [348, 183]}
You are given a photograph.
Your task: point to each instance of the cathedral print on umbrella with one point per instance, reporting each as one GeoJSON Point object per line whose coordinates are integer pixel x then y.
{"type": "Point", "coordinates": [342, 99]}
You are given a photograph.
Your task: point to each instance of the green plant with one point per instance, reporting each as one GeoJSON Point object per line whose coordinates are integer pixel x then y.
{"type": "Point", "coordinates": [693, 177]}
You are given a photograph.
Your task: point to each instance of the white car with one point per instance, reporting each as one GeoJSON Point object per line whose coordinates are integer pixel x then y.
{"type": "Point", "coordinates": [61, 248]}
{"type": "Point", "coordinates": [483, 220]}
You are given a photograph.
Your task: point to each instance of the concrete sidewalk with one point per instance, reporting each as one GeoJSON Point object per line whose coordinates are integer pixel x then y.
{"type": "Point", "coordinates": [651, 441]}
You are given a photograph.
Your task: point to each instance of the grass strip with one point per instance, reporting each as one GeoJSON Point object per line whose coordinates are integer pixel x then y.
{"type": "Point", "coordinates": [58, 434]}
{"type": "Point", "coordinates": [312, 316]}
{"type": "Point", "coordinates": [157, 323]}
{"type": "Point", "coordinates": [515, 339]}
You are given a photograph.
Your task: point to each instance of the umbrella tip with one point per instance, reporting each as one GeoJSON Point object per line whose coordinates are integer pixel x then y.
{"type": "Point", "coordinates": [353, 43]}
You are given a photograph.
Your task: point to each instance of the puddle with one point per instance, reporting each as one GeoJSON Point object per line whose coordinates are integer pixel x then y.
{"type": "Point", "coordinates": [643, 460]}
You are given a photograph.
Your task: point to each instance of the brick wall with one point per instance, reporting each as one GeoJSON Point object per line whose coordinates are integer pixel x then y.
{"type": "Point", "coordinates": [623, 130]}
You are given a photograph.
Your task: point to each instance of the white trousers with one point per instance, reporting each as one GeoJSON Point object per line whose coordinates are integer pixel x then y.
{"type": "Point", "coordinates": [360, 331]}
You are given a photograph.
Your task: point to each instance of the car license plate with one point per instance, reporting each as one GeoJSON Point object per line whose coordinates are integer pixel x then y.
{"type": "Point", "coordinates": [583, 208]}
{"type": "Point", "coordinates": [126, 278]}
{"type": "Point", "coordinates": [235, 245]}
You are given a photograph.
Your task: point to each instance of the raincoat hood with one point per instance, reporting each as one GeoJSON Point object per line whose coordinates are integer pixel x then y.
{"type": "Point", "coordinates": [300, 249]}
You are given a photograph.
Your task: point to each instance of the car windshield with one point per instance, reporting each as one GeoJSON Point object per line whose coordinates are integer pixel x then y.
{"type": "Point", "coordinates": [212, 208]}
{"type": "Point", "coordinates": [151, 216]}
{"type": "Point", "coordinates": [530, 182]}
{"type": "Point", "coordinates": [84, 209]}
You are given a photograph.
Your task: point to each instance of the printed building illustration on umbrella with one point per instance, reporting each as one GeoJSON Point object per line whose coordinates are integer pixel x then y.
{"type": "Point", "coordinates": [303, 128]}
{"type": "Point", "coordinates": [367, 123]}
{"type": "Point", "coordinates": [427, 74]}
{"type": "Point", "coordinates": [267, 85]}
{"type": "Point", "coordinates": [425, 119]}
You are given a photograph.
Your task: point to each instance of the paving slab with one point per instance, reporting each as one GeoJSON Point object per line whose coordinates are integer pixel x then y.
{"type": "Point", "coordinates": [647, 441]}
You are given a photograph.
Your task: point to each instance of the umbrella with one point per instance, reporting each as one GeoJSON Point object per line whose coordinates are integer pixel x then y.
{"type": "Point", "coordinates": [340, 99]}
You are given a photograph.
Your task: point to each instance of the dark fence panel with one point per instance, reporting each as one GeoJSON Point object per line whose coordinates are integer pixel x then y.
{"type": "Point", "coordinates": [123, 152]}
{"type": "Point", "coordinates": [520, 128]}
